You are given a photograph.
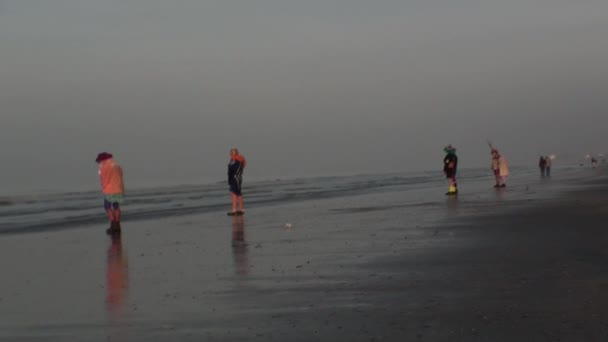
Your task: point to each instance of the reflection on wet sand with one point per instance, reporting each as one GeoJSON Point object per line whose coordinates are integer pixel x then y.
{"type": "Point", "coordinates": [500, 192]}
{"type": "Point", "coordinates": [239, 246]}
{"type": "Point", "coordinates": [452, 205]}
{"type": "Point", "coordinates": [117, 281]}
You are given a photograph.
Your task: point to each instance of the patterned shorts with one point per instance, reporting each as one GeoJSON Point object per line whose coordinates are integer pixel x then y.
{"type": "Point", "coordinates": [113, 201]}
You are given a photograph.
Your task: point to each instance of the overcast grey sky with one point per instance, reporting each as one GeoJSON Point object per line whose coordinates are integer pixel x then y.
{"type": "Point", "coordinates": [303, 88]}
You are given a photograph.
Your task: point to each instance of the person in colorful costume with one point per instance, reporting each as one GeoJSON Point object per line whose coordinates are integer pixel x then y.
{"type": "Point", "coordinates": [450, 165]}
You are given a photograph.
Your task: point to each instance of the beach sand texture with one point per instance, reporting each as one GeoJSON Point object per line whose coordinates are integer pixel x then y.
{"type": "Point", "coordinates": [370, 267]}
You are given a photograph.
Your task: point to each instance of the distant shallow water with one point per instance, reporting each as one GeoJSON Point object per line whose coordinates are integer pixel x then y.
{"type": "Point", "coordinates": [31, 213]}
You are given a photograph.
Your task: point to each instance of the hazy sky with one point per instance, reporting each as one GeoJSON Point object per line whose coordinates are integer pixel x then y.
{"type": "Point", "coordinates": [303, 88]}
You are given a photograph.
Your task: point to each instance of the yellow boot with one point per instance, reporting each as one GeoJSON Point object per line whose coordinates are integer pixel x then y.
{"type": "Point", "coordinates": [452, 190]}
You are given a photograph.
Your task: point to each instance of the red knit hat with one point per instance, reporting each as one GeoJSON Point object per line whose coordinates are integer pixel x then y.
{"type": "Point", "coordinates": [103, 156]}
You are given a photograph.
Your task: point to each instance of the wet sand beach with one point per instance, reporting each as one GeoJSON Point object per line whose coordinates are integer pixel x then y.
{"type": "Point", "coordinates": [365, 268]}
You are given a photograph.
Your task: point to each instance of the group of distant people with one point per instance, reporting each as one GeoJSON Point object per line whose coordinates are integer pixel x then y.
{"type": "Point", "coordinates": [594, 160]}
{"type": "Point", "coordinates": [112, 183]}
{"type": "Point", "coordinates": [499, 166]}
{"type": "Point", "coordinates": [113, 188]}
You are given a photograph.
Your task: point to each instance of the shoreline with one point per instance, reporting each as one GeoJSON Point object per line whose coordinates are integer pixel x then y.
{"type": "Point", "coordinates": [72, 210]}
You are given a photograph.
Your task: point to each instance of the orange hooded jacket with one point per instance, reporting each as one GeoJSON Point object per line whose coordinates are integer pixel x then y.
{"type": "Point", "coordinates": [110, 174]}
{"type": "Point", "coordinates": [240, 159]}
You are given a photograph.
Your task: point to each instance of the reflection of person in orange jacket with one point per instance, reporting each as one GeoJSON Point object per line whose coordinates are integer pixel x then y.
{"type": "Point", "coordinates": [117, 279]}
{"type": "Point", "coordinates": [239, 246]}
{"type": "Point", "coordinates": [112, 186]}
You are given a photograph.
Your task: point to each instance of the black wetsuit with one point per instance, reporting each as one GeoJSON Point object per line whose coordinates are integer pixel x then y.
{"type": "Point", "coordinates": [235, 176]}
{"type": "Point", "coordinates": [450, 164]}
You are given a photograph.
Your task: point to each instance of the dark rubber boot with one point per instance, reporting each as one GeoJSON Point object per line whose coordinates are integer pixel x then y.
{"type": "Point", "coordinates": [114, 229]}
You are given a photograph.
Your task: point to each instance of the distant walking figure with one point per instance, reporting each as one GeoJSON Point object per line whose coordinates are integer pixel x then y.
{"type": "Point", "coordinates": [593, 162]}
{"type": "Point", "coordinates": [542, 164]}
{"type": "Point", "coordinates": [450, 165]}
{"type": "Point", "coordinates": [112, 186]}
{"type": "Point", "coordinates": [500, 169]}
{"type": "Point", "coordinates": [235, 181]}
{"type": "Point", "coordinates": [548, 166]}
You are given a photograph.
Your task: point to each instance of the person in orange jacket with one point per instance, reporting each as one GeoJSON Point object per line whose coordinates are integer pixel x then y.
{"type": "Point", "coordinates": [236, 166]}
{"type": "Point", "coordinates": [112, 186]}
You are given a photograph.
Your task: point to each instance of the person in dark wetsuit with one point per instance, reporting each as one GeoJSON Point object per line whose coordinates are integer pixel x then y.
{"type": "Point", "coordinates": [542, 165]}
{"type": "Point", "coordinates": [235, 181]}
{"type": "Point", "coordinates": [450, 165]}
{"type": "Point", "coordinates": [548, 163]}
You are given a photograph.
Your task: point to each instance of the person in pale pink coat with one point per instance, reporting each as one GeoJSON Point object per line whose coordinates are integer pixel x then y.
{"type": "Point", "coordinates": [500, 169]}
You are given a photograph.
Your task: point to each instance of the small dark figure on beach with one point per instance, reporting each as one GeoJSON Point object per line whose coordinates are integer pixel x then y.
{"type": "Point", "coordinates": [450, 165]}
{"type": "Point", "coordinates": [548, 166]}
{"type": "Point", "coordinates": [593, 162]}
{"type": "Point", "coordinates": [235, 181]}
{"type": "Point", "coordinates": [500, 169]}
{"type": "Point", "coordinates": [542, 165]}
{"type": "Point", "coordinates": [113, 189]}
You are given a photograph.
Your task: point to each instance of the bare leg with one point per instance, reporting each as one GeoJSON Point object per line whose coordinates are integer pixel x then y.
{"type": "Point", "coordinates": [113, 212]}
{"type": "Point", "coordinates": [235, 200]}
{"type": "Point", "coordinates": [117, 214]}
{"type": "Point", "coordinates": [110, 214]}
{"type": "Point", "coordinates": [239, 202]}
